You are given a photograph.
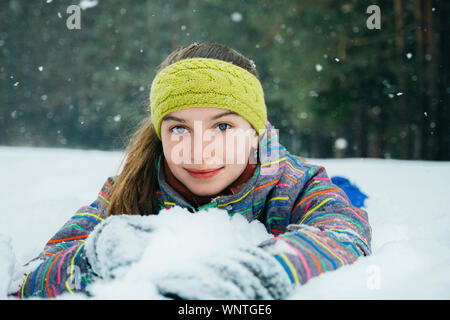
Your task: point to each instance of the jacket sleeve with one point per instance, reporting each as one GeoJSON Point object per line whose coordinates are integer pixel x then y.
{"type": "Point", "coordinates": [62, 266]}
{"type": "Point", "coordinates": [324, 233]}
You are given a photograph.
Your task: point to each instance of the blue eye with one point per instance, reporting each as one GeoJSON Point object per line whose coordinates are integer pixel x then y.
{"type": "Point", "coordinates": [223, 126]}
{"type": "Point", "coordinates": [178, 130]}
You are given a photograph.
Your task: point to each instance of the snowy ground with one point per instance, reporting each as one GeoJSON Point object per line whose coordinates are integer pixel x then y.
{"type": "Point", "coordinates": [408, 211]}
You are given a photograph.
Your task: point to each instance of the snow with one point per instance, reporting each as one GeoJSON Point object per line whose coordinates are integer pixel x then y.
{"type": "Point", "coordinates": [8, 263]}
{"type": "Point", "coordinates": [236, 17]}
{"type": "Point", "coordinates": [340, 143]}
{"type": "Point", "coordinates": [86, 4]}
{"type": "Point", "coordinates": [178, 242]}
{"type": "Point", "coordinates": [407, 209]}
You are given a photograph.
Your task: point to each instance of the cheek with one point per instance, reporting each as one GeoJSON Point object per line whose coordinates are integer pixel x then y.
{"type": "Point", "coordinates": [176, 151]}
{"type": "Point", "coordinates": [173, 158]}
{"type": "Point", "coordinates": [231, 173]}
{"type": "Point", "coordinates": [167, 151]}
{"type": "Point", "coordinates": [237, 151]}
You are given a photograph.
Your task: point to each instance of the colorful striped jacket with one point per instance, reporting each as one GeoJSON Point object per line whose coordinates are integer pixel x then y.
{"type": "Point", "coordinates": [295, 200]}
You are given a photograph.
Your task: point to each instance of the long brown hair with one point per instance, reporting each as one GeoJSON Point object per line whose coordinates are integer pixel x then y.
{"type": "Point", "coordinates": [134, 191]}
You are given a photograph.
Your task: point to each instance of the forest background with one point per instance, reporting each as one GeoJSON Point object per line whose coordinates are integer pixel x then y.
{"type": "Point", "coordinates": [333, 86]}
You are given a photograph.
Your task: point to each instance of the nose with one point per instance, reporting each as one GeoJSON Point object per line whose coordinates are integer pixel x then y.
{"type": "Point", "coordinates": [206, 147]}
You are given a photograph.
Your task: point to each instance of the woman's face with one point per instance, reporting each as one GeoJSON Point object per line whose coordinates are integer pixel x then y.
{"type": "Point", "coordinates": [207, 148]}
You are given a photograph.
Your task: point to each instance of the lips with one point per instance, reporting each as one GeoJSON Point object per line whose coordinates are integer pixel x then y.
{"type": "Point", "coordinates": [204, 173]}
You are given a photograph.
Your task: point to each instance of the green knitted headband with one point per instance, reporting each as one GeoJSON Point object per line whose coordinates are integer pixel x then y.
{"type": "Point", "coordinates": [205, 82]}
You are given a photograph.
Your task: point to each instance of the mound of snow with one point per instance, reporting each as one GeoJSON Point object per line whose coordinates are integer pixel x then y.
{"type": "Point", "coordinates": [8, 265]}
{"type": "Point", "coordinates": [180, 238]}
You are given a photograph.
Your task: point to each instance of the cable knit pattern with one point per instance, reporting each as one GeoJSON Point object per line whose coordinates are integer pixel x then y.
{"type": "Point", "coordinates": [204, 82]}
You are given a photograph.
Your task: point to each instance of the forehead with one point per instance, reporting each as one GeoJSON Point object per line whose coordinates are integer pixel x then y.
{"type": "Point", "coordinates": [200, 113]}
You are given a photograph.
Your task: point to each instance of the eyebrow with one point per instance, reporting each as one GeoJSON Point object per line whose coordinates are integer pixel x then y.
{"type": "Point", "coordinates": [217, 116]}
{"type": "Point", "coordinates": [173, 118]}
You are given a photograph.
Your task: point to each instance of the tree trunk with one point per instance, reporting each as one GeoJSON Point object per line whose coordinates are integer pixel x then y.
{"type": "Point", "coordinates": [431, 74]}
{"type": "Point", "coordinates": [423, 107]}
{"type": "Point", "coordinates": [443, 120]}
{"type": "Point", "coordinates": [400, 41]}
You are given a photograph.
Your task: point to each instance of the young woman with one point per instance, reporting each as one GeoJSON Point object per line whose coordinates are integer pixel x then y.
{"type": "Point", "coordinates": [207, 144]}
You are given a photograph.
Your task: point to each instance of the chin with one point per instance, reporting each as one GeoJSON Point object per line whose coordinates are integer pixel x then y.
{"type": "Point", "coordinates": [205, 189]}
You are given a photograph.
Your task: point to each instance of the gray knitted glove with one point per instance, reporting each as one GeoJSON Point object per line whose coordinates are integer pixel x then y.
{"type": "Point", "coordinates": [116, 243]}
{"type": "Point", "coordinates": [244, 274]}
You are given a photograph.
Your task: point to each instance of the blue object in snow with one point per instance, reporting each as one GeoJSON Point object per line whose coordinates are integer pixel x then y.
{"type": "Point", "coordinates": [354, 194]}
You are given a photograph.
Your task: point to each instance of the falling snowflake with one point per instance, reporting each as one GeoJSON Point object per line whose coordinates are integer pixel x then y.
{"type": "Point", "coordinates": [340, 144]}
{"type": "Point", "coordinates": [236, 17]}
{"type": "Point", "coordinates": [86, 4]}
